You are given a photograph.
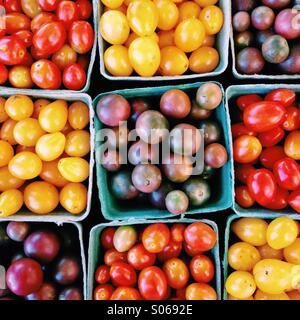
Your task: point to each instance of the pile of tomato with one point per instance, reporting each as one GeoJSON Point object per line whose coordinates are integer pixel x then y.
{"type": "Point", "coordinates": [44, 147]}
{"type": "Point", "coordinates": [266, 150]}
{"type": "Point", "coordinates": [157, 262]}
{"type": "Point", "coordinates": [160, 37]}
{"type": "Point", "coordinates": [45, 43]}
{"type": "Point", "coordinates": [264, 258]}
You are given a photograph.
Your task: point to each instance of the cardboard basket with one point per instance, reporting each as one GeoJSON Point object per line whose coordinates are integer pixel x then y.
{"type": "Point", "coordinates": [94, 251]}
{"type": "Point", "coordinates": [234, 92]}
{"type": "Point", "coordinates": [61, 215]}
{"type": "Point", "coordinates": [111, 207]}
{"type": "Point", "coordinates": [222, 45]}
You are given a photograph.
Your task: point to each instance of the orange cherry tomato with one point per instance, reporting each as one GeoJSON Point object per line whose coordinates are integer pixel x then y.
{"type": "Point", "coordinates": [243, 197]}
{"type": "Point", "coordinates": [6, 153]}
{"type": "Point", "coordinates": [19, 77]}
{"type": "Point", "coordinates": [177, 273]}
{"type": "Point", "coordinates": [174, 62]}
{"type": "Point", "coordinates": [8, 181]}
{"type": "Point", "coordinates": [155, 237]}
{"type": "Point", "coordinates": [78, 116]}
{"type": "Point", "coordinates": [37, 106]}
{"type": "Point", "coordinates": [204, 59]}
{"type": "Point", "coordinates": [200, 291]}
{"type": "Point", "coordinates": [73, 197]}
{"type": "Point", "coordinates": [292, 145]}
{"type": "Point", "coordinates": [51, 174]}
{"type": "Point", "coordinates": [126, 293]}
{"type": "Point", "coordinates": [7, 131]}
{"type": "Point", "coordinates": [3, 115]}
{"type": "Point", "coordinates": [64, 56]}
{"type": "Point", "coordinates": [77, 143]}
{"type": "Point", "coordinates": [103, 292]}
{"type": "Point", "coordinates": [188, 9]}
{"type": "Point", "coordinates": [246, 149]}
{"type": "Point", "coordinates": [166, 38]}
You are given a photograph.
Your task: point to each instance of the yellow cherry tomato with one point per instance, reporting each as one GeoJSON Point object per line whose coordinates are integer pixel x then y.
{"type": "Point", "coordinates": [27, 132]}
{"type": "Point", "coordinates": [212, 18]}
{"type": "Point", "coordinates": [251, 230]}
{"type": "Point", "coordinates": [143, 17]}
{"type": "Point", "coordinates": [292, 252]}
{"type": "Point", "coordinates": [205, 3]}
{"type": "Point", "coordinates": [11, 201]}
{"type": "Point", "coordinates": [21, 148]}
{"type": "Point", "coordinates": [25, 165]}
{"type": "Point", "coordinates": [74, 169]}
{"type": "Point", "coordinates": [51, 174]}
{"type": "Point", "coordinates": [117, 62]}
{"type": "Point", "coordinates": [166, 38]}
{"type": "Point", "coordinates": [267, 252]}
{"type": "Point", "coordinates": [243, 256]}
{"type": "Point", "coordinates": [168, 14]}
{"type": "Point", "coordinates": [114, 27]}
{"type": "Point", "coordinates": [8, 181]}
{"type": "Point", "coordinates": [282, 232]}
{"type": "Point", "coordinates": [112, 4]}
{"type": "Point", "coordinates": [189, 35]}
{"type": "Point", "coordinates": [3, 114]}
{"type": "Point", "coordinates": [77, 143]}
{"type": "Point", "coordinates": [6, 153]}
{"type": "Point", "coordinates": [204, 59]}
{"type": "Point", "coordinates": [122, 8]}
{"type": "Point", "coordinates": [7, 131]}
{"type": "Point", "coordinates": [19, 107]}
{"type": "Point", "coordinates": [230, 297]}
{"type": "Point", "coordinates": [19, 77]}
{"type": "Point", "coordinates": [41, 197]}
{"type": "Point", "coordinates": [189, 9]}
{"type": "Point", "coordinates": [38, 105]}
{"type": "Point", "coordinates": [209, 41]}
{"type": "Point", "coordinates": [240, 284]}
{"type": "Point", "coordinates": [144, 56]}
{"type": "Point", "coordinates": [260, 295]}
{"type": "Point", "coordinates": [50, 146]}
{"type": "Point", "coordinates": [294, 295]}
{"type": "Point", "coordinates": [79, 115]}
{"type": "Point", "coordinates": [275, 276]}
{"type": "Point", "coordinates": [174, 62]}
{"type": "Point", "coordinates": [53, 117]}
{"type": "Point", "coordinates": [73, 197]}
{"type": "Point", "coordinates": [134, 36]}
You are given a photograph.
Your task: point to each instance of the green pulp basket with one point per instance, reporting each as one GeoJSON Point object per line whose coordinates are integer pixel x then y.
{"type": "Point", "coordinates": [94, 251]}
{"type": "Point", "coordinates": [234, 92]}
{"type": "Point", "coordinates": [113, 210]}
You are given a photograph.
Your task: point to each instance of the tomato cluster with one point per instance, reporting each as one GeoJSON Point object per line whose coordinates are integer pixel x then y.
{"type": "Point", "coordinates": [156, 262]}
{"type": "Point", "coordinates": [266, 150]}
{"type": "Point", "coordinates": [160, 37]}
{"type": "Point", "coordinates": [45, 43]}
{"type": "Point", "coordinates": [46, 140]}
{"type": "Point", "coordinates": [265, 260]}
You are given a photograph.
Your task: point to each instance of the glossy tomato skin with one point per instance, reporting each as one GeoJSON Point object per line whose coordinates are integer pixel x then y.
{"type": "Point", "coordinates": [155, 237]}
{"type": "Point", "coordinates": [243, 197]}
{"type": "Point", "coordinates": [67, 12]}
{"type": "Point", "coordinates": [177, 232]}
{"type": "Point", "coordinates": [239, 129]}
{"type": "Point", "coordinates": [242, 172]}
{"type": "Point", "coordinates": [112, 255]}
{"type": "Point", "coordinates": [15, 22]}
{"type": "Point", "coordinates": [12, 6]}
{"type": "Point", "coordinates": [12, 50]}
{"type": "Point", "coordinates": [85, 9]}
{"type": "Point", "coordinates": [177, 273]}
{"type": "Point", "coordinates": [284, 96]}
{"type": "Point", "coordinates": [264, 116]}
{"type": "Point", "coordinates": [45, 74]}
{"type": "Point", "coordinates": [74, 77]}
{"type": "Point", "coordinates": [126, 293]}
{"type": "Point", "coordinates": [271, 155]}
{"type": "Point", "coordinates": [294, 200]}
{"type": "Point", "coordinates": [3, 73]}
{"type": "Point", "coordinates": [287, 173]}
{"type": "Point", "coordinates": [152, 284]}
{"type": "Point", "coordinates": [171, 250]}
{"type": "Point", "coordinates": [280, 201]}
{"type": "Point", "coordinates": [25, 36]}
{"type": "Point", "coordinates": [292, 121]}
{"type": "Point", "coordinates": [41, 19]}
{"type": "Point", "coordinates": [81, 36]}
{"type": "Point", "coordinates": [122, 274]}
{"type": "Point", "coordinates": [272, 137]}
{"type": "Point", "coordinates": [292, 145]}
{"type": "Point", "coordinates": [246, 100]}
{"type": "Point", "coordinates": [202, 269]}
{"type": "Point", "coordinates": [48, 5]}
{"type": "Point", "coordinates": [107, 237]}
{"type": "Point", "coordinates": [262, 186]}
{"type": "Point", "coordinates": [103, 292]}
{"type": "Point", "coordinates": [140, 258]}
{"type": "Point", "coordinates": [102, 274]}
{"type": "Point", "coordinates": [246, 149]}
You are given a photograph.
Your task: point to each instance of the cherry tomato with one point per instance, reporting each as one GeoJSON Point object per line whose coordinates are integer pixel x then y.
{"type": "Point", "coordinates": [177, 232]}
{"type": "Point", "coordinates": [38, 105]}
{"type": "Point", "coordinates": [171, 250]}
{"type": "Point", "coordinates": [51, 174]}
{"type": "Point", "coordinates": [11, 201]}
{"type": "Point", "coordinates": [125, 293]}
{"type": "Point", "coordinates": [240, 284]}
{"type": "Point", "coordinates": [272, 137]}
{"type": "Point", "coordinates": [3, 74]}
{"type": "Point", "coordinates": [243, 197]}
{"type": "Point", "coordinates": [48, 5]}
{"type": "Point", "coordinates": [107, 237]}
{"type": "Point", "coordinates": [246, 149]}
{"type": "Point", "coordinates": [271, 155]}
{"type": "Point", "coordinates": [15, 22]}
{"type": "Point", "coordinates": [74, 77]}
{"type": "Point", "coordinates": [64, 56]}
{"type": "Point", "coordinates": [267, 252]}
{"type": "Point", "coordinates": [8, 181]}
{"type": "Point", "coordinates": [155, 237]}
{"type": "Point", "coordinates": [31, 8]}
{"type": "Point", "coordinates": [6, 153]}
{"type": "Point", "coordinates": [85, 9]}
{"type": "Point", "coordinates": [41, 19]}
{"type": "Point", "coordinates": [27, 132]}
{"type": "Point", "coordinates": [67, 12]}
{"type": "Point", "coordinates": [292, 145]}
{"type": "Point", "coordinates": [112, 255]}
{"type": "Point", "coordinates": [262, 186]}
{"type": "Point", "coordinates": [294, 200]}
{"type": "Point", "coordinates": [12, 6]}
{"type": "Point", "coordinates": [79, 115]}
{"type": "Point", "coordinates": [177, 273]}
{"type": "Point", "coordinates": [285, 97]}
{"type": "Point", "coordinates": [12, 50]}
{"type": "Point", "coordinates": [73, 197]}
{"type": "Point", "coordinates": [38, 55]}
{"type": "Point", "coordinates": [168, 14]}
{"type": "Point", "coordinates": [122, 274]}
{"type": "Point", "coordinates": [102, 275]}
{"type": "Point", "coordinates": [7, 131]}
{"type": "Point", "coordinates": [202, 269]}
{"type": "Point", "coordinates": [212, 18]}
{"type": "Point", "coordinates": [103, 292]}
{"type": "Point", "coordinates": [74, 169]}
{"type": "Point", "coordinates": [242, 172]}
{"type": "Point", "coordinates": [81, 36]}
{"type": "Point", "coordinates": [287, 173]}
{"type": "Point", "coordinates": [152, 284]}
{"type": "Point", "coordinates": [200, 235]}
{"type": "Point", "coordinates": [292, 252]}
{"type": "Point", "coordinates": [140, 258]}
{"type": "Point", "coordinates": [246, 100]}
{"type": "Point", "coordinates": [25, 36]}
{"type": "Point", "coordinates": [200, 291]}
{"type": "Point", "coordinates": [191, 251]}
{"type": "Point", "coordinates": [264, 116]}
{"type": "Point", "coordinates": [239, 129]}
{"type": "Point", "coordinates": [45, 74]}
{"type": "Point", "coordinates": [51, 146]}
{"type": "Point", "coordinates": [292, 121]}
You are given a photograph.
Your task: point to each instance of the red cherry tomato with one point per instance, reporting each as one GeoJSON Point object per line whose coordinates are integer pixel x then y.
{"type": "Point", "coordinates": [122, 274]}
{"type": "Point", "coordinates": [103, 292]}
{"type": "Point", "coordinates": [74, 77]}
{"type": "Point", "coordinates": [67, 12]}
{"type": "Point", "coordinates": [294, 200]}
{"type": "Point", "coordinates": [152, 284]}
{"type": "Point", "coordinates": [264, 116]}
{"type": "Point", "coordinates": [25, 36]}
{"type": "Point", "coordinates": [112, 255]}
{"type": "Point", "coordinates": [12, 6]}
{"type": "Point", "coordinates": [15, 22]}
{"type": "Point", "coordinates": [102, 275]}
{"type": "Point", "coordinates": [242, 172]}
{"type": "Point", "coordinates": [271, 155]}
{"type": "Point", "coordinates": [200, 235]}
{"type": "Point", "coordinates": [140, 258]}
{"type": "Point", "coordinates": [48, 5]}
{"type": "Point", "coordinates": [49, 38]}
{"type": "Point", "coordinates": [272, 137]}
{"type": "Point", "coordinates": [287, 173]}
{"type": "Point", "coordinates": [243, 197]}
{"type": "Point", "coordinates": [85, 9]}
{"type": "Point", "coordinates": [41, 19]}
{"type": "Point", "coordinates": [107, 237]}
{"type": "Point", "coordinates": [81, 36]}
{"type": "Point", "coordinates": [247, 100]}
{"type": "Point", "coordinates": [171, 250]}
{"type": "Point", "coordinates": [239, 129]}
{"type": "Point", "coordinates": [126, 293]}
{"type": "Point", "coordinates": [3, 73]}
{"type": "Point", "coordinates": [202, 269]}
{"type": "Point", "coordinates": [280, 201]}
{"type": "Point", "coordinates": [177, 232]}
{"type": "Point", "coordinates": [292, 121]}
{"type": "Point", "coordinates": [12, 50]}
{"type": "Point", "coordinates": [177, 273]}
{"type": "Point", "coordinates": [285, 97]}
{"type": "Point", "coordinates": [262, 186]}
{"type": "Point", "coordinates": [45, 74]}
{"type": "Point", "coordinates": [155, 237]}
{"type": "Point", "coordinates": [246, 149]}
{"type": "Point", "coordinates": [191, 251]}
